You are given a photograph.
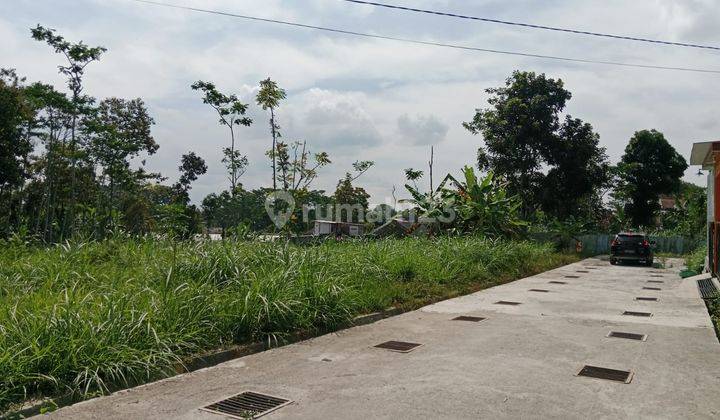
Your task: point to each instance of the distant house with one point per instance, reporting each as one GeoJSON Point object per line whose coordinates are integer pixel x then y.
{"type": "Point", "coordinates": [329, 227]}
{"type": "Point", "coordinates": [707, 155]}
{"type": "Point", "coordinates": [667, 202]}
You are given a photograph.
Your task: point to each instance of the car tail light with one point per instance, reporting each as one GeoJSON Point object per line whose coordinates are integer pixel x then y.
{"type": "Point", "coordinates": [645, 243]}
{"type": "Point", "coordinates": [615, 242]}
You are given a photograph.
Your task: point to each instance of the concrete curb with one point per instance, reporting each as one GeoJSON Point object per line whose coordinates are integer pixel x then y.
{"type": "Point", "coordinates": [208, 360]}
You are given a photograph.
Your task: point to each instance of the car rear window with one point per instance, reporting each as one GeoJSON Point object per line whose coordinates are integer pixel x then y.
{"type": "Point", "coordinates": [630, 238]}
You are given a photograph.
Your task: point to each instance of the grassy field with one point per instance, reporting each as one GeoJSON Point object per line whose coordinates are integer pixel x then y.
{"type": "Point", "coordinates": [90, 317]}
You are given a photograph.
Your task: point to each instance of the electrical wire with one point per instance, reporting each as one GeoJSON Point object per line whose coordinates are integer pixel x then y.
{"type": "Point", "coordinates": [429, 43]}
{"type": "Point", "coordinates": [529, 25]}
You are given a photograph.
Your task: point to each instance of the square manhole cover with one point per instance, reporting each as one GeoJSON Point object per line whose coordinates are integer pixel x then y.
{"type": "Point", "coordinates": [623, 376]}
{"type": "Point", "coordinates": [398, 346]}
{"type": "Point", "coordinates": [628, 336]}
{"type": "Point", "coordinates": [647, 299]}
{"type": "Point", "coordinates": [634, 313]}
{"type": "Point", "coordinates": [505, 302]}
{"type": "Point", "coordinates": [247, 405]}
{"type": "Point", "coordinates": [469, 318]}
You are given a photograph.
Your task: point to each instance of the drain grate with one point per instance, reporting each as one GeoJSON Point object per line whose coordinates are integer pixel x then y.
{"type": "Point", "coordinates": [557, 282]}
{"type": "Point", "coordinates": [647, 299]}
{"type": "Point", "coordinates": [399, 346]}
{"type": "Point", "coordinates": [539, 290]}
{"type": "Point", "coordinates": [469, 318]}
{"type": "Point", "coordinates": [626, 335]}
{"type": "Point", "coordinates": [605, 373]}
{"type": "Point", "coordinates": [581, 271]}
{"type": "Point", "coordinates": [633, 313]}
{"type": "Point", "coordinates": [506, 302]}
{"type": "Point", "coordinates": [707, 288]}
{"type": "Point", "coordinates": [655, 281]}
{"type": "Point", "coordinates": [247, 405]}
{"type": "Point", "coordinates": [651, 288]}
{"type": "Point", "coordinates": [572, 277]}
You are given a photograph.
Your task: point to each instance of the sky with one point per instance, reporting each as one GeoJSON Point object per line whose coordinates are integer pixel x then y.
{"type": "Point", "coordinates": [370, 99]}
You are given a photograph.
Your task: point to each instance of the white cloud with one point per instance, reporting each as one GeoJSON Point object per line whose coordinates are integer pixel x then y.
{"type": "Point", "coordinates": [421, 130]}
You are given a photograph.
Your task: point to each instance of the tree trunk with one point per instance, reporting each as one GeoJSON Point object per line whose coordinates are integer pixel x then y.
{"type": "Point", "coordinates": [233, 167]}
{"type": "Point", "coordinates": [272, 152]}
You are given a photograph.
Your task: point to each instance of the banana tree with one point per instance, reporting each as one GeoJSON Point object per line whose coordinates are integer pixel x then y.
{"type": "Point", "coordinates": [484, 206]}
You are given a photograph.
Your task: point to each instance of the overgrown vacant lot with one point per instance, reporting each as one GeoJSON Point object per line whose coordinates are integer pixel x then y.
{"type": "Point", "coordinates": [91, 317]}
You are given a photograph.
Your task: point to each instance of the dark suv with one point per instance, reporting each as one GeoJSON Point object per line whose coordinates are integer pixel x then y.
{"type": "Point", "coordinates": [631, 246]}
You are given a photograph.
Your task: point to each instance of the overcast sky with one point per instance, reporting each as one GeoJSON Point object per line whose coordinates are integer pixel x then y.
{"type": "Point", "coordinates": [386, 101]}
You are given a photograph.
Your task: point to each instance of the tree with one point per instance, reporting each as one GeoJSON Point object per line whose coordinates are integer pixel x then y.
{"type": "Point", "coordinates": [78, 56]}
{"type": "Point", "coordinates": [15, 145]}
{"type": "Point", "coordinates": [649, 168]}
{"type": "Point", "coordinates": [413, 176]}
{"type": "Point", "coordinates": [232, 113]}
{"type": "Point", "coordinates": [579, 168]}
{"type": "Point", "coordinates": [119, 131]}
{"type": "Point", "coordinates": [360, 167]}
{"type": "Point", "coordinates": [191, 166]}
{"type": "Point", "coordinates": [524, 137]}
{"type": "Point", "coordinates": [689, 217]}
{"type": "Point", "coordinates": [297, 165]}
{"type": "Point", "coordinates": [51, 123]}
{"type": "Point", "coordinates": [269, 98]}
{"type": "Point", "coordinates": [352, 202]}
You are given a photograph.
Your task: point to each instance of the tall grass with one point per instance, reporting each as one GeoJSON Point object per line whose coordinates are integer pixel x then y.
{"type": "Point", "coordinates": [90, 317]}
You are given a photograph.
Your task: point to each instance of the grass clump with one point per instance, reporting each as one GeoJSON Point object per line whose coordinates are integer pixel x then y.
{"type": "Point", "coordinates": [694, 262]}
{"type": "Point", "coordinates": [88, 318]}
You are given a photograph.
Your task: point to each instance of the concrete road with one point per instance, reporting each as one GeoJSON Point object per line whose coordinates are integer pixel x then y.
{"type": "Point", "coordinates": [521, 362]}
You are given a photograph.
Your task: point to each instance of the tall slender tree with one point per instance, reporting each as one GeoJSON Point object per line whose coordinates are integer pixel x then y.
{"type": "Point", "coordinates": [78, 56]}
{"type": "Point", "coordinates": [269, 97]}
{"type": "Point", "coordinates": [232, 113]}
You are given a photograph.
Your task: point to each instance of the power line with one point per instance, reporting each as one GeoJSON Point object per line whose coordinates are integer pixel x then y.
{"type": "Point", "coordinates": [429, 43]}
{"type": "Point", "coordinates": [529, 25]}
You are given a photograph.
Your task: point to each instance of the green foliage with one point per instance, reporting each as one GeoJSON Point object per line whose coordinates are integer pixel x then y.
{"type": "Point", "coordinates": [90, 317]}
{"type": "Point", "coordinates": [524, 137]}
{"type": "Point", "coordinates": [650, 167]}
{"type": "Point", "coordinates": [297, 165]}
{"type": "Point", "coordinates": [696, 260]}
{"type": "Point", "coordinates": [269, 97]}
{"type": "Point", "coordinates": [355, 199]}
{"type": "Point", "coordinates": [689, 217]}
{"type": "Point", "coordinates": [484, 206]}
{"type": "Point", "coordinates": [478, 205]}
{"type": "Point", "coordinates": [232, 113]}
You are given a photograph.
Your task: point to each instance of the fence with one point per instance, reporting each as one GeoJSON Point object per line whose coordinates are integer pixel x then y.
{"type": "Point", "coordinates": [599, 243]}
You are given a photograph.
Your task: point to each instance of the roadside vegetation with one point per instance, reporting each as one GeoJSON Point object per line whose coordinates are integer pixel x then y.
{"type": "Point", "coordinates": [90, 317]}
{"type": "Point", "coordinates": [106, 282]}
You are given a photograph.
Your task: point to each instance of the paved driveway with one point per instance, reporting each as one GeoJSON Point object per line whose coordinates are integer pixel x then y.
{"type": "Point", "coordinates": [520, 362]}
